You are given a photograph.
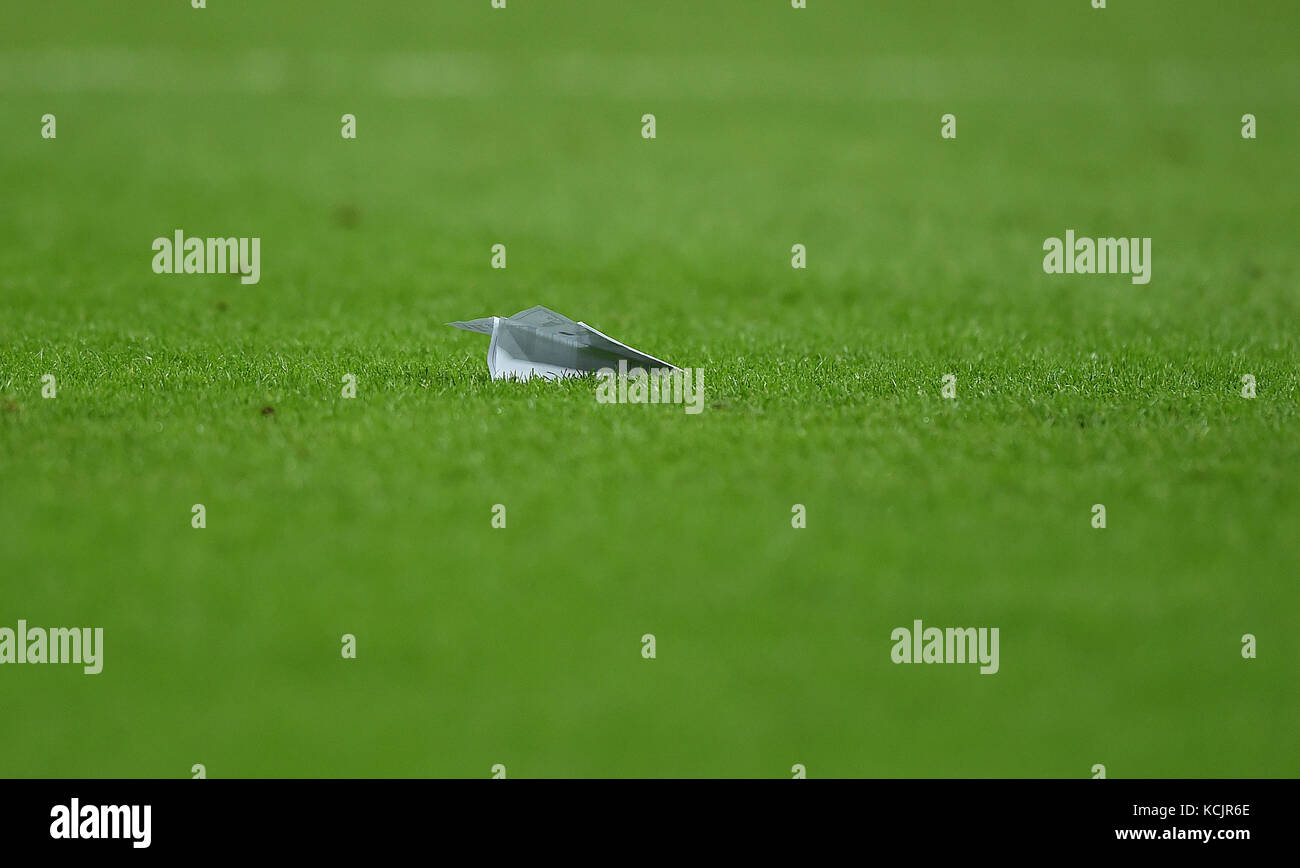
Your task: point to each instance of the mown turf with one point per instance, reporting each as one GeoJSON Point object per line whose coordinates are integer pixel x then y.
{"type": "Point", "coordinates": [522, 646]}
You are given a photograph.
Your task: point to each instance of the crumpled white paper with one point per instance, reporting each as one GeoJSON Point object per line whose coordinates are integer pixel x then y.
{"type": "Point", "coordinates": [539, 342]}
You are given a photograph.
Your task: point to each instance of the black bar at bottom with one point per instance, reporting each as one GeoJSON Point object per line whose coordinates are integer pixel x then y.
{"type": "Point", "coordinates": [632, 819]}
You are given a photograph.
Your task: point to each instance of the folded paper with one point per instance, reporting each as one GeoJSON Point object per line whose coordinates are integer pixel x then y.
{"type": "Point", "coordinates": [539, 342]}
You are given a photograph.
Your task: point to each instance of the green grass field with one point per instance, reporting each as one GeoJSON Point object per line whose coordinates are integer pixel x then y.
{"type": "Point", "coordinates": [522, 646]}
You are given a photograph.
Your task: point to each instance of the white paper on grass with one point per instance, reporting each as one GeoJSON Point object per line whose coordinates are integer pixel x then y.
{"type": "Point", "coordinates": [539, 342]}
